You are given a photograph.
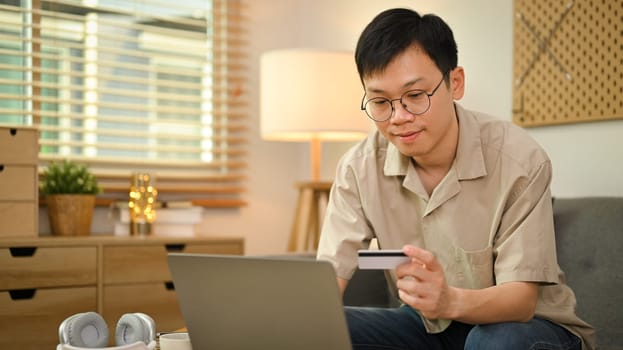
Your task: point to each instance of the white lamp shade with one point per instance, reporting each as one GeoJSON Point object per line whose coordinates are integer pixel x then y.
{"type": "Point", "coordinates": [310, 94]}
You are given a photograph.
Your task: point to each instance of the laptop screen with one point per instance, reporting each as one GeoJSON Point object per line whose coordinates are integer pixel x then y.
{"type": "Point", "coordinates": [238, 302]}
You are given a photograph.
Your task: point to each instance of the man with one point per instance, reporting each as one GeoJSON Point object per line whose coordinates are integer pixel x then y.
{"type": "Point", "coordinates": [465, 196]}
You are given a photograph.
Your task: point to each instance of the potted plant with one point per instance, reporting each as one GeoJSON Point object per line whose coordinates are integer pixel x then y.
{"type": "Point", "coordinates": [69, 189]}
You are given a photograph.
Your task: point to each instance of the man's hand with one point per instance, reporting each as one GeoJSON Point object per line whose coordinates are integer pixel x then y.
{"type": "Point", "coordinates": [422, 284]}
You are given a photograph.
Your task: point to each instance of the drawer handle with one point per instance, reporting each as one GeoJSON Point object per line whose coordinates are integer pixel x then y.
{"type": "Point", "coordinates": [1, 167]}
{"type": "Point", "coordinates": [13, 131]}
{"type": "Point", "coordinates": [23, 252]}
{"type": "Point", "coordinates": [22, 294]}
{"type": "Point", "coordinates": [175, 247]}
{"type": "Point", "coordinates": [169, 285]}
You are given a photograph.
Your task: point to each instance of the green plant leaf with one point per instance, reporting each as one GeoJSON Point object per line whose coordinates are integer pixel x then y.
{"type": "Point", "coordinates": [68, 177]}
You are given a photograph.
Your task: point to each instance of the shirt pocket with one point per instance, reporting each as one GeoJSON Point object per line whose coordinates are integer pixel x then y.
{"type": "Point", "coordinates": [472, 269]}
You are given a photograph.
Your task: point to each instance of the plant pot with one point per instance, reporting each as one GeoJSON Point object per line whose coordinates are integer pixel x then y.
{"type": "Point", "coordinates": [70, 214]}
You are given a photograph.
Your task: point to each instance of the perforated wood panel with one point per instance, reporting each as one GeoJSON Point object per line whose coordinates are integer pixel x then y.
{"type": "Point", "coordinates": [568, 61]}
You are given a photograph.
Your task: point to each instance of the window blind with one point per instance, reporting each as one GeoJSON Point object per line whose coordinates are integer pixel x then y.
{"type": "Point", "coordinates": [128, 86]}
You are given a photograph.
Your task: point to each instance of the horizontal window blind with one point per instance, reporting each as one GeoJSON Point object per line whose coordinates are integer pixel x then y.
{"type": "Point", "coordinates": [154, 86]}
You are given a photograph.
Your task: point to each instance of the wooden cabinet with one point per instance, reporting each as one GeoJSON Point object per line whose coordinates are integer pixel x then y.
{"type": "Point", "coordinates": [19, 149]}
{"type": "Point", "coordinates": [137, 278]}
{"type": "Point", "coordinates": [44, 280]}
{"type": "Point", "coordinates": [30, 319]}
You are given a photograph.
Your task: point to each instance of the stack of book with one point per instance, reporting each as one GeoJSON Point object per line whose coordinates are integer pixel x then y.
{"type": "Point", "coordinates": [172, 219]}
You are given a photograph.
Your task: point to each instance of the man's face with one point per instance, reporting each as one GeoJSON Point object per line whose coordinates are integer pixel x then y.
{"type": "Point", "coordinates": [425, 135]}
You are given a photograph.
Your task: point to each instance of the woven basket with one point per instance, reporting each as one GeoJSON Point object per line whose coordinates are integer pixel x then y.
{"type": "Point", "coordinates": [70, 214]}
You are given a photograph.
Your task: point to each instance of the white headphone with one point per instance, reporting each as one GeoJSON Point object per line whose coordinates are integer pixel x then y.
{"type": "Point", "coordinates": [89, 330]}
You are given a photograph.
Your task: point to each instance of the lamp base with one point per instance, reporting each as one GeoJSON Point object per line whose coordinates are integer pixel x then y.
{"type": "Point", "coordinates": [313, 198]}
{"type": "Point", "coordinates": [140, 228]}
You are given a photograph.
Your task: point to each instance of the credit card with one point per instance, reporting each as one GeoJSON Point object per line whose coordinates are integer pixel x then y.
{"type": "Point", "coordinates": [384, 259]}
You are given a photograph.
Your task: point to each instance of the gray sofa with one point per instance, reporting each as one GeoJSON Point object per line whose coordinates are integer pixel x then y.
{"type": "Point", "coordinates": [589, 239]}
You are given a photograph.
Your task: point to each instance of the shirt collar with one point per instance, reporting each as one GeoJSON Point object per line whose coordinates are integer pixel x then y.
{"type": "Point", "coordinates": [469, 161]}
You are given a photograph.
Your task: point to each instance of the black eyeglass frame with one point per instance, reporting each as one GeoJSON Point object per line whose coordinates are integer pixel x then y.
{"type": "Point", "coordinates": [364, 103]}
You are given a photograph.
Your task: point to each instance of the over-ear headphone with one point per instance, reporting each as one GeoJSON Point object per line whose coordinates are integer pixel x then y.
{"type": "Point", "coordinates": [89, 330]}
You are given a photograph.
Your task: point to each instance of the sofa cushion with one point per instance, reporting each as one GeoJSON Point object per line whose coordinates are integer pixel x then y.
{"type": "Point", "coordinates": [589, 239]}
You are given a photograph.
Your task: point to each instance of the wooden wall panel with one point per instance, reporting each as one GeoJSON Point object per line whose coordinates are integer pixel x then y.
{"type": "Point", "coordinates": [567, 61]}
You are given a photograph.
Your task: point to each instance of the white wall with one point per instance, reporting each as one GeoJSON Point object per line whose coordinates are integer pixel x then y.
{"type": "Point", "coordinates": [587, 158]}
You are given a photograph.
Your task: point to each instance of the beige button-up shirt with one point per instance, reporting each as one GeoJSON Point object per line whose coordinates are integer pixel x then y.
{"type": "Point", "coordinates": [489, 221]}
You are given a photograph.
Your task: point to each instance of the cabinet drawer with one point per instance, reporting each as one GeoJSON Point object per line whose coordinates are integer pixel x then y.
{"type": "Point", "coordinates": [154, 299]}
{"type": "Point", "coordinates": [19, 218]}
{"type": "Point", "coordinates": [33, 323]}
{"type": "Point", "coordinates": [18, 182]}
{"type": "Point", "coordinates": [130, 264]}
{"type": "Point", "coordinates": [47, 267]}
{"type": "Point", "coordinates": [18, 145]}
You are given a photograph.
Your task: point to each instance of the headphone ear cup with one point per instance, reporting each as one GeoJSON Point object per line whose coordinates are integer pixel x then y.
{"type": "Point", "coordinates": [150, 325]}
{"type": "Point", "coordinates": [63, 329]}
{"type": "Point", "coordinates": [86, 330]}
{"type": "Point", "coordinates": [135, 327]}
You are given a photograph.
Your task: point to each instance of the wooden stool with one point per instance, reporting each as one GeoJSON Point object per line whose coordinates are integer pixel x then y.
{"type": "Point", "coordinates": [312, 202]}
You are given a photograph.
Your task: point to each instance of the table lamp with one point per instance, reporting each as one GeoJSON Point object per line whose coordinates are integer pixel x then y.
{"type": "Point", "coordinates": [309, 95]}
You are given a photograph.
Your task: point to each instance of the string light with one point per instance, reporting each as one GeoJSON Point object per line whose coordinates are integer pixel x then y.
{"type": "Point", "coordinates": [142, 204]}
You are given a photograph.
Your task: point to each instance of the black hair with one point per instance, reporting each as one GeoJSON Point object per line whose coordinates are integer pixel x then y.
{"type": "Point", "coordinates": [395, 30]}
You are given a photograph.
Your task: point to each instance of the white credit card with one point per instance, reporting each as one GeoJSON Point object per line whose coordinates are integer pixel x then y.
{"type": "Point", "coordinates": [384, 259]}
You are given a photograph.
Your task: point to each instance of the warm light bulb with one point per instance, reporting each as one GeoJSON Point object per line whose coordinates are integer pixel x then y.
{"type": "Point", "coordinates": [142, 203]}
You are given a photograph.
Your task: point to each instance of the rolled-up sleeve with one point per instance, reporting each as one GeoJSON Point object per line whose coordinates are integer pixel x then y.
{"type": "Point", "coordinates": [525, 246]}
{"type": "Point", "coordinates": [344, 230]}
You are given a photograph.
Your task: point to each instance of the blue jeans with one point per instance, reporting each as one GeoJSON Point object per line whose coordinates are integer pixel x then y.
{"type": "Point", "coordinates": [402, 329]}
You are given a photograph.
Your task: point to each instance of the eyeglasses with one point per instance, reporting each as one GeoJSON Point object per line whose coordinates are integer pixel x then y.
{"type": "Point", "coordinates": [415, 102]}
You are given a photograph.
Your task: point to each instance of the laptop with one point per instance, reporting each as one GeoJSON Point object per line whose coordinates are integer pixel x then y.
{"type": "Point", "coordinates": [241, 302]}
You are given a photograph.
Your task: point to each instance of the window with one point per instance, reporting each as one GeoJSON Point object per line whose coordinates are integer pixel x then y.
{"type": "Point", "coordinates": [128, 85]}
